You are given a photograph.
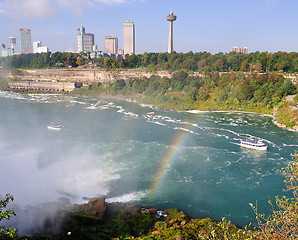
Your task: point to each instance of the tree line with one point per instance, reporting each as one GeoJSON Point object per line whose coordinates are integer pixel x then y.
{"type": "Point", "coordinates": [261, 62]}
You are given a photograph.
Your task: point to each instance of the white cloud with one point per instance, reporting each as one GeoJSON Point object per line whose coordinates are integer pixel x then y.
{"type": "Point", "coordinates": [33, 8]}
{"type": "Point", "coordinates": [3, 12]}
{"type": "Point", "coordinates": [50, 8]}
{"type": "Point", "coordinates": [77, 7]}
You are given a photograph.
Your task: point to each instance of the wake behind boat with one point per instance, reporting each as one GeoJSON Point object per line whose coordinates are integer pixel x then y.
{"type": "Point", "coordinates": [55, 126]}
{"type": "Point", "coordinates": [253, 144]}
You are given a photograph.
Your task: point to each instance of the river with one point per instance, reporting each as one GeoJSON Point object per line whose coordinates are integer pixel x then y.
{"type": "Point", "coordinates": [140, 155]}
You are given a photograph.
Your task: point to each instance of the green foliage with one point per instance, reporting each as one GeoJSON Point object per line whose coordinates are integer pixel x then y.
{"type": "Point", "coordinates": [178, 226]}
{"type": "Point", "coordinates": [230, 91]}
{"type": "Point", "coordinates": [288, 87]}
{"type": "Point", "coordinates": [4, 83]}
{"type": "Point", "coordinates": [6, 233]}
{"type": "Point", "coordinates": [287, 113]}
{"type": "Point", "coordinates": [201, 61]}
{"type": "Point", "coordinates": [283, 222]}
{"type": "Point", "coordinates": [123, 224]}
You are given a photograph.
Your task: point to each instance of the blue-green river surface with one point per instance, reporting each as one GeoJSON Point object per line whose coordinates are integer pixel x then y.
{"type": "Point", "coordinates": [140, 155]}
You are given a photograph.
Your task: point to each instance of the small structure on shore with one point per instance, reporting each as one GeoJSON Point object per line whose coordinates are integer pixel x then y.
{"type": "Point", "coordinates": [45, 86]}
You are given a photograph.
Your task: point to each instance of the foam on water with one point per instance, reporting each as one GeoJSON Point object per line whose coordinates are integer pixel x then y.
{"type": "Point", "coordinates": [114, 149]}
{"type": "Point", "coordinates": [130, 197]}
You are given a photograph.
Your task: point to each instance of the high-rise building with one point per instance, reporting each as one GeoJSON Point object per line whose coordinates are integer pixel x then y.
{"type": "Point", "coordinates": [85, 40]}
{"type": "Point", "coordinates": [12, 41]}
{"type": "Point", "coordinates": [240, 50]}
{"type": "Point", "coordinates": [128, 37]}
{"type": "Point", "coordinates": [38, 48]}
{"type": "Point", "coordinates": [171, 18]}
{"type": "Point", "coordinates": [111, 44]}
{"type": "Point", "coordinates": [25, 40]}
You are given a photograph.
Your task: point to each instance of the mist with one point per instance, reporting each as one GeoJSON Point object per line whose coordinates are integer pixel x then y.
{"type": "Point", "coordinates": [114, 150]}
{"type": "Point", "coordinates": [40, 167]}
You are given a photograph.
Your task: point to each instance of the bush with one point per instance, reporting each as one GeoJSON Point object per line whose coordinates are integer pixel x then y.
{"type": "Point", "coordinates": [6, 233]}
{"type": "Point", "coordinates": [283, 222]}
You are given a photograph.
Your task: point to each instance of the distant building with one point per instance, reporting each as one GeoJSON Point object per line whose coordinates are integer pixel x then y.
{"type": "Point", "coordinates": [4, 52]}
{"type": "Point", "coordinates": [111, 44]}
{"type": "Point", "coordinates": [100, 54]}
{"type": "Point", "coordinates": [240, 50]}
{"type": "Point", "coordinates": [128, 37]}
{"type": "Point", "coordinates": [120, 52]}
{"type": "Point", "coordinates": [25, 40]}
{"type": "Point", "coordinates": [95, 49]}
{"type": "Point", "coordinates": [38, 48]}
{"type": "Point", "coordinates": [12, 41]}
{"type": "Point", "coordinates": [85, 40]}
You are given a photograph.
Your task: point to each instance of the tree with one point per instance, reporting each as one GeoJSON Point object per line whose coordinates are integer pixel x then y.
{"type": "Point", "coordinates": [245, 66]}
{"type": "Point", "coordinates": [6, 233]}
{"type": "Point", "coordinates": [288, 87]}
{"type": "Point", "coordinates": [244, 92]}
{"type": "Point", "coordinates": [107, 63]}
{"type": "Point", "coordinates": [190, 64]}
{"type": "Point", "coordinates": [118, 85]}
{"type": "Point", "coordinates": [79, 61]}
{"type": "Point", "coordinates": [258, 67]}
{"type": "Point", "coordinates": [201, 64]}
{"type": "Point", "coordinates": [219, 65]}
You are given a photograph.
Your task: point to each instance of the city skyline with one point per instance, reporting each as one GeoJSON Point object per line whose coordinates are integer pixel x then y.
{"type": "Point", "coordinates": [212, 26]}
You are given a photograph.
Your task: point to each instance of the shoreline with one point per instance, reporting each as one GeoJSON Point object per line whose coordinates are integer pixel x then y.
{"type": "Point", "coordinates": [120, 97]}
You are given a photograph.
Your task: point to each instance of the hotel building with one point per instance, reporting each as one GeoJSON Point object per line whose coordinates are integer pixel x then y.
{"type": "Point", "coordinates": [128, 37]}
{"type": "Point", "coordinates": [111, 44]}
{"type": "Point", "coordinates": [25, 41]}
{"type": "Point", "coordinates": [85, 40]}
{"type": "Point", "coordinates": [240, 50]}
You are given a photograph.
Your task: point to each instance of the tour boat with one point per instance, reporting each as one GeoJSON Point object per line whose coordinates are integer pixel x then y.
{"type": "Point", "coordinates": [55, 126]}
{"type": "Point", "coordinates": [253, 144]}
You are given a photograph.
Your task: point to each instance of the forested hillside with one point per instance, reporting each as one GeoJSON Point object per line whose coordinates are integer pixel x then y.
{"type": "Point", "coordinates": [230, 91]}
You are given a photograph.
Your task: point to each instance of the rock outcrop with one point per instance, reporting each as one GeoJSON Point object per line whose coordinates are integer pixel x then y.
{"type": "Point", "coordinates": [95, 207]}
{"type": "Point", "coordinates": [87, 76]}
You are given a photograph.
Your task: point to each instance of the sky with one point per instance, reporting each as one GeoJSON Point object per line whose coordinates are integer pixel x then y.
{"type": "Point", "coordinates": [202, 25]}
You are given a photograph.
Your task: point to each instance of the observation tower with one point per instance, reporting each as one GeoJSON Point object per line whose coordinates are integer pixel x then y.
{"type": "Point", "coordinates": [171, 18]}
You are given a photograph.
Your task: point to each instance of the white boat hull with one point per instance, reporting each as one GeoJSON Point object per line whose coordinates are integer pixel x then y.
{"type": "Point", "coordinates": [54, 128]}
{"type": "Point", "coordinates": [253, 144]}
{"type": "Point", "coordinates": [262, 148]}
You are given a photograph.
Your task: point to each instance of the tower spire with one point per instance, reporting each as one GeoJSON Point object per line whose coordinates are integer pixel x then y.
{"type": "Point", "coordinates": [171, 18]}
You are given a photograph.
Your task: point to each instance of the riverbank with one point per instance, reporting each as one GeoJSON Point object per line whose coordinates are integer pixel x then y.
{"type": "Point", "coordinates": [140, 100]}
{"type": "Point", "coordinates": [180, 91]}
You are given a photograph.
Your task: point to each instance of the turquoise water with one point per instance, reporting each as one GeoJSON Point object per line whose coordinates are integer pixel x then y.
{"type": "Point", "coordinates": [189, 161]}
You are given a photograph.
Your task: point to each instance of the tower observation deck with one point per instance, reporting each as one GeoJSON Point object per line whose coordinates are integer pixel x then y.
{"type": "Point", "coordinates": [171, 18]}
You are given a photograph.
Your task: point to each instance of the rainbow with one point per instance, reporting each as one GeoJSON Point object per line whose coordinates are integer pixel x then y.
{"type": "Point", "coordinates": [168, 158]}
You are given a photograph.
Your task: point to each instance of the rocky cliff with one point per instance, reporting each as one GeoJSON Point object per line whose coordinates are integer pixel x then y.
{"type": "Point", "coordinates": [81, 75]}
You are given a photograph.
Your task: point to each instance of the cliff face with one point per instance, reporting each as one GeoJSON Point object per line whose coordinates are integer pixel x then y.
{"type": "Point", "coordinates": [80, 75]}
